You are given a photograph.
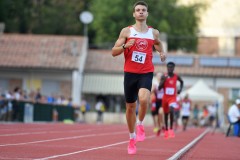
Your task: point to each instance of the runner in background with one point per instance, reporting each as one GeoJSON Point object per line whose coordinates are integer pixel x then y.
{"type": "Point", "coordinates": [186, 111]}
{"type": "Point", "coordinates": [153, 112]}
{"type": "Point", "coordinates": [156, 110]}
{"type": "Point", "coordinates": [169, 84]}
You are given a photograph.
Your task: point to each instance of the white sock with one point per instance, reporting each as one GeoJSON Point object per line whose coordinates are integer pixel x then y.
{"type": "Point", "coordinates": [139, 122]}
{"type": "Point", "coordinates": [132, 135]}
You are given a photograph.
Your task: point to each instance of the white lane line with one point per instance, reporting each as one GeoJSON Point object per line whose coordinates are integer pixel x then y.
{"type": "Point", "coordinates": [44, 132]}
{"type": "Point", "coordinates": [188, 146]}
{"type": "Point", "coordinates": [6, 158]}
{"type": "Point", "coordinates": [60, 139]}
{"type": "Point", "coordinates": [86, 150]}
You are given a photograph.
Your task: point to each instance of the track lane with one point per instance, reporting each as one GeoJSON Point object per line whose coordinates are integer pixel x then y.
{"type": "Point", "coordinates": [109, 146]}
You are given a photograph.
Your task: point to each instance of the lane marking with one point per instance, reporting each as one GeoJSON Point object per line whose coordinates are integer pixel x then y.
{"type": "Point", "coordinates": [44, 132]}
{"type": "Point", "coordinates": [87, 150]}
{"type": "Point", "coordinates": [188, 146]}
{"type": "Point", "coordinates": [6, 158]}
{"type": "Point", "coordinates": [60, 139]}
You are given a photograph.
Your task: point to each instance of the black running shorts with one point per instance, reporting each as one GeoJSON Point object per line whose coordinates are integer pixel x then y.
{"type": "Point", "coordinates": [133, 82]}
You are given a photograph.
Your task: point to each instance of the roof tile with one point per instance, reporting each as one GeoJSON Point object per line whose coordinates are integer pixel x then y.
{"type": "Point", "coordinates": [102, 61]}
{"type": "Point", "coordinates": [44, 51]}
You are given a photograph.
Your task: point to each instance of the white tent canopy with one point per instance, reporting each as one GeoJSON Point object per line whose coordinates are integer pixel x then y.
{"type": "Point", "coordinates": [201, 92]}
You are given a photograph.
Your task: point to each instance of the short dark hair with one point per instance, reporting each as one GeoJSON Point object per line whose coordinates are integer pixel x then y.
{"type": "Point", "coordinates": [171, 64]}
{"type": "Point", "coordinates": [140, 3]}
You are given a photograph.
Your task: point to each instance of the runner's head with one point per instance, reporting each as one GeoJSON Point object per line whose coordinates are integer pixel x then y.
{"type": "Point", "coordinates": [142, 3]}
{"type": "Point", "coordinates": [170, 67]}
{"type": "Point", "coordinates": [140, 11]}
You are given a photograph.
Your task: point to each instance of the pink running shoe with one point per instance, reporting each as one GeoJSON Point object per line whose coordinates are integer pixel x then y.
{"type": "Point", "coordinates": [140, 133]}
{"type": "Point", "coordinates": [166, 134]}
{"type": "Point", "coordinates": [132, 149]}
{"type": "Point", "coordinates": [171, 133]}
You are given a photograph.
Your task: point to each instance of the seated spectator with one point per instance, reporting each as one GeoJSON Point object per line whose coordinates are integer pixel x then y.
{"type": "Point", "coordinates": [234, 114]}
{"type": "Point", "coordinates": [204, 117]}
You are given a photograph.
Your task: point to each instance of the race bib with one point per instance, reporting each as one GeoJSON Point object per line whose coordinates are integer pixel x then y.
{"type": "Point", "coordinates": [169, 91]}
{"type": "Point", "coordinates": [138, 57]}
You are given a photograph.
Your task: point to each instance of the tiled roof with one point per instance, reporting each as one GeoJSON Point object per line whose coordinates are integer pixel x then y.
{"type": "Point", "coordinates": [40, 51]}
{"type": "Point", "coordinates": [102, 61]}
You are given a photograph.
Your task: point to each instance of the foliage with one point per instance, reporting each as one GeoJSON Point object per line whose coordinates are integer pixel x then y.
{"type": "Point", "coordinates": [179, 22]}
{"type": "Point", "coordinates": [42, 16]}
{"type": "Point", "coordinates": [110, 16]}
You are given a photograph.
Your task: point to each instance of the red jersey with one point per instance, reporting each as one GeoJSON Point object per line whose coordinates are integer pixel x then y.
{"type": "Point", "coordinates": [170, 86]}
{"type": "Point", "coordinates": [138, 58]}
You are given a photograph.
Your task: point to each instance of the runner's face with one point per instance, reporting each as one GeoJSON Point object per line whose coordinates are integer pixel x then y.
{"type": "Point", "coordinates": [140, 12]}
{"type": "Point", "coordinates": [170, 69]}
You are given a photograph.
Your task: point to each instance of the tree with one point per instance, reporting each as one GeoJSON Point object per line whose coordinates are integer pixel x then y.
{"type": "Point", "coordinates": [179, 22]}
{"type": "Point", "coordinates": [42, 16]}
{"type": "Point", "coordinates": [110, 16]}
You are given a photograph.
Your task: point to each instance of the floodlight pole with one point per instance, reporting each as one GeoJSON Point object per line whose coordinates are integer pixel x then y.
{"type": "Point", "coordinates": [86, 18]}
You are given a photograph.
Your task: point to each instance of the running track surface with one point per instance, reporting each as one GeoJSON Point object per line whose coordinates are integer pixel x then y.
{"type": "Point", "coordinates": [37, 141]}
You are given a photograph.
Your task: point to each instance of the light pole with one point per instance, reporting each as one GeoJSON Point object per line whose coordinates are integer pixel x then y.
{"type": "Point", "coordinates": [86, 17]}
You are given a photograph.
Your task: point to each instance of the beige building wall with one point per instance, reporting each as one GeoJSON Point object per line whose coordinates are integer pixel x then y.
{"type": "Point", "coordinates": [220, 19]}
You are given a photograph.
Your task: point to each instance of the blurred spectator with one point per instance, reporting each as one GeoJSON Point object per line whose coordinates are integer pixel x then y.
{"type": "Point", "coordinates": [17, 94]}
{"type": "Point", "coordinates": [100, 108]}
{"type": "Point", "coordinates": [195, 115]}
{"type": "Point", "coordinates": [50, 99]}
{"type": "Point", "coordinates": [204, 117]}
{"type": "Point", "coordinates": [3, 108]}
{"type": "Point", "coordinates": [15, 104]}
{"type": "Point", "coordinates": [212, 110]}
{"type": "Point", "coordinates": [38, 96]}
{"type": "Point", "coordinates": [234, 115]}
{"type": "Point", "coordinates": [83, 109]}
{"type": "Point", "coordinates": [24, 95]}
{"type": "Point", "coordinates": [70, 103]}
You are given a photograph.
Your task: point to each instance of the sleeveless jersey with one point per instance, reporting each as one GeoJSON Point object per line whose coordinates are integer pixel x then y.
{"type": "Point", "coordinates": [186, 107]}
{"type": "Point", "coordinates": [138, 58]}
{"type": "Point", "coordinates": [170, 86]}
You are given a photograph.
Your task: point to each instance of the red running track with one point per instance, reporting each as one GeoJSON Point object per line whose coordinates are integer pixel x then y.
{"type": "Point", "coordinates": [85, 142]}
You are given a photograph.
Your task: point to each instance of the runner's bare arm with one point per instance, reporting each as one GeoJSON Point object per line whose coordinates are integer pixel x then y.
{"type": "Point", "coordinates": [181, 84]}
{"type": "Point", "coordinates": [158, 45]}
{"type": "Point", "coordinates": [161, 84]}
{"type": "Point", "coordinates": [120, 43]}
